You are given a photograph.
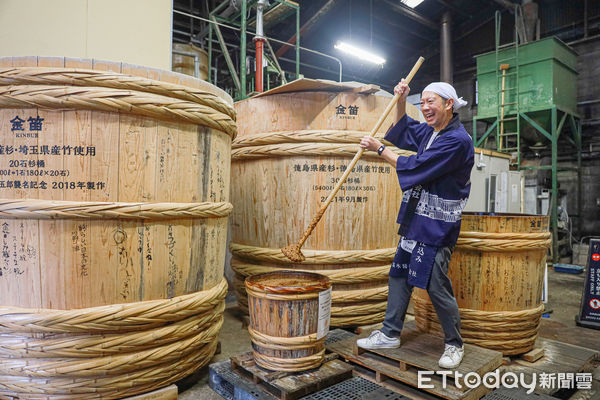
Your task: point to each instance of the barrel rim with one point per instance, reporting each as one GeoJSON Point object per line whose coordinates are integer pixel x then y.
{"type": "Point", "coordinates": [321, 282]}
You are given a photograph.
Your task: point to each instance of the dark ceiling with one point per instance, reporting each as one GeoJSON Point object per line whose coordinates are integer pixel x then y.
{"type": "Point", "coordinates": [390, 29]}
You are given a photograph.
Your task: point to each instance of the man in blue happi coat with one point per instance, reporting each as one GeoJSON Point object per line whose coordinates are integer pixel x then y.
{"type": "Point", "coordinates": [436, 185]}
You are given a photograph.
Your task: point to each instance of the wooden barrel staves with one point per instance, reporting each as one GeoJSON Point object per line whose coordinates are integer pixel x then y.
{"type": "Point", "coordinates": [290, 150]}
{"type": "Point", "coordinates": [114, 182]}
{"type": "Point", "coordinates": [289, 319]}
{"type": "Point", "coordinates": [497, 273]}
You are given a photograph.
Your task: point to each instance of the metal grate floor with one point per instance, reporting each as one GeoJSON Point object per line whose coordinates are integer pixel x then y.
{"type": "Point", "coordinates": [355, 389]}
{"type": "Point", "coordinates": [515, 394]}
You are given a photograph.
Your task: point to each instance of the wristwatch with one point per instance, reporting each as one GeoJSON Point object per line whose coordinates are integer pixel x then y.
{"type": "Point", "coordinates": [380, 149]}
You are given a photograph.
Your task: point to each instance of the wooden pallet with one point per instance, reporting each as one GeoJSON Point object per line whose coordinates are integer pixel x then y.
{"type": "Point", "coordinates": [288, 385]}
{"type": "Point", "coordinates": [418, 352]}
{"type": "Point", "coordinates": [558, 358]}
{"type": "Point", "coordinates": [231, 386]}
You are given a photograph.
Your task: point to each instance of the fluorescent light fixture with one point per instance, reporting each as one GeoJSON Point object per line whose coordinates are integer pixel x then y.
{"type": "Point", "coordinates": [362, 54]}
{"type": "Point", "coordinates": [412, 3]}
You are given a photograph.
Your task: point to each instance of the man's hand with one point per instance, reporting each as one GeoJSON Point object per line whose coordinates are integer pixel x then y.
{"type": "Point", "coordinates": [402, 89]}
{"type": "Point", "coordinates": [370, 143]}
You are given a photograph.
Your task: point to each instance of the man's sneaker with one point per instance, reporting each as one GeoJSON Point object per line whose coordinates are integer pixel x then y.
{"type": "Point", "coordinates": [452, 357]}
{"type": "Point", "coordinates": [378, 340]}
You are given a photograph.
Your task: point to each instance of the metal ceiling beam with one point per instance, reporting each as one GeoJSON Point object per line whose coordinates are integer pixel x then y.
{"type": "Point", "coordinates": [409, 12]}
{"type": "Point", "coordinates": [506, 4]}
{"type": "Point", "coordinates": [453, 8]}
{"type": "Point", "coordinates": [306, 27]}
{"type": "Point", "coordinates": [404, 29]}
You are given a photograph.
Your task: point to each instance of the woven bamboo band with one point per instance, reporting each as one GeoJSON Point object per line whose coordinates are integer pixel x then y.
{"type": "Point", "coordinates": [101, 364]}
{"type": "Point", "coordinates": [508, 345]}
{"type": "Point", "coordinates": [306, 149]}
{"type": "Point", "coordinates": [115, 100]}
{"type": "Point", "coordinates": [112, 318]}
{"type": "Point", "coordinates": [135, 382]}
{"type": "Point", "coordinates": [313, 256]}
{"type": "Point", "coordinates": [508, 331]}
{"type": "Point", "coordinates": [289, 364]}
{"type": "Point", "coordinates": [116, 364]}
{"type": "Point", "coordinates": [348, 310]}
{"type": "Point", "coordinates": [358, 319]}
{"type": "Point", "coordinates": [58, 209]}
{"type": "Point", "coordinates": [502, 245]}
{"type": "Point", "coordinates": [505, 235]}
{"type": "Point", "coordinates": [302, 136]}
{"type": "Point", "coordinates": [338, 296]}
{"type": "Point", "coordinates": [88, 77]}
{"type": "Point", "coordinates": [277, 296]}
{"type": "Point", "coordinates": [81, 346]}
{"type": "Point", "coordinates": [337, 276]}
{"type": "Point", "coordinates": [285, 343]}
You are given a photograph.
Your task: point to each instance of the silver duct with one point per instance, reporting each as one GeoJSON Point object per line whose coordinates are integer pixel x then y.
{"type": "Point", "coordinates": [446, 72]}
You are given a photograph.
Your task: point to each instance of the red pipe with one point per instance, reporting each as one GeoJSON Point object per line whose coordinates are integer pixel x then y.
{"type": "Point", "coordinates": [259, 62]}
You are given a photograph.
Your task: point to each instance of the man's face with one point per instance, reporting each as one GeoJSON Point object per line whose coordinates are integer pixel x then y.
{"type": "Point", "coordinates": [435, 109]}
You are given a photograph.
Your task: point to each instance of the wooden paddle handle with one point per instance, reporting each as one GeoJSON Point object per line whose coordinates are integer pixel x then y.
{"type": "Point", "coordinates": [357, 156]}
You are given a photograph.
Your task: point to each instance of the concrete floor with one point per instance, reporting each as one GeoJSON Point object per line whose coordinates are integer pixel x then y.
{"type": "Point", "coordinates": [563, 304]}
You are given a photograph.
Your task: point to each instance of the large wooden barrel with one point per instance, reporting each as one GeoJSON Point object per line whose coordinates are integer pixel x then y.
{"type": "Point", "coordinates": [114, 187]}
{"type": "Point", "coordinates": [185, 64]}
{"type": "Point", "coordinates": [497, 273]}
{"type": "Point", "coordinates": [290, 150]}
{"type": "Point", "coordinates": [289, 319]}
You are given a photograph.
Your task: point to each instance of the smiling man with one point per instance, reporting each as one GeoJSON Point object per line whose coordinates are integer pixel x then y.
{"type": "Point", "coordinates": [436, 185]}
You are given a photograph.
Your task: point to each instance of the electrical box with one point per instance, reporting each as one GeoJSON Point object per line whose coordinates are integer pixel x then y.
{"type": "Point", "coordinates": [494, 188]}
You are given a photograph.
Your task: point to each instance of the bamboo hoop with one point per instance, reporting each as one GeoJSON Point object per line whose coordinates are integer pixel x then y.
{"type": "Point", "coordinates": [277, 296]}
{"type": "Point", "coordinates": [110, 365]}
{"type": "Point", "coordinates": [358, 309]}
{"type": "Point", "coordinates": [115, 100]}
{"type": "Point", "coordinates": [305, 149]}
{"type": "Point", "coordinates": [284, 343]}
{"type": "Point", "coordinates": [140, 361]}
{"type": "Point", "coordinates": [85, 346]}
{"type": "Point", "coordinates": [137, 381]}
{"type": "Point", "coordinates": [58, 209]}
{"type": "Point", "coordinates": [313, 256]}
{"type": "Point", "coordinates": [337, 296]}
{"type": "Point", "coordinates": [337, 276]}
{"type": "Point", "coordinates": [505, 235]}
{"type": "Point", "coordinates": [112, 318]}
{"type": "Point", "coordinates": [289, 364]}
{"type": "Point", "coordinates": [88, 77]}
{"type": "Point", "coordinates": [301, 136]}
{"type": "Point", "coordinates": [358, 319]}
{"type": "Point", "coordinates": [502, 245]}
{"type": "Point", "coordinates": [512, 332]}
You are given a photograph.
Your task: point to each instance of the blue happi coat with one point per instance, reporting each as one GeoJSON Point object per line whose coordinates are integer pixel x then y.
{"type": "Point", "coordinates": [443, 171]}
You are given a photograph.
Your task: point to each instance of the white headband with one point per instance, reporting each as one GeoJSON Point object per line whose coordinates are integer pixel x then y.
{"type": "Point", "coordinates": [446, 91]}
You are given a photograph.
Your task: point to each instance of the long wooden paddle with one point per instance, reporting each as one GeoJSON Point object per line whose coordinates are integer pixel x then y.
{"type": "Point", "coordinates": [293, 251]}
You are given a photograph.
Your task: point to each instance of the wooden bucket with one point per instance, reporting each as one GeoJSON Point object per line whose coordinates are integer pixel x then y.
{"type": "Point", "coordinates": [186, 64]}
{"type": "Point", "coordinates": [284, 164]}
{"type": "Point", "coordinates": [111, 281]}
{"type": "Point", "coordinates": [289, 319]}
{"type": "Point", "coordinates": [497, 273]}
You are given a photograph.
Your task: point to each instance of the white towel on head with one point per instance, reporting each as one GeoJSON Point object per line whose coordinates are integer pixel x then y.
{"type": "Point", "coordinates": [446, 91]}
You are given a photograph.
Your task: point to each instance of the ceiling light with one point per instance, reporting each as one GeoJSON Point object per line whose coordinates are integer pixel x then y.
{"type": "Point", "coordinates": [412, 3]}
{"type": "Point", "coordinates": [362, 54]}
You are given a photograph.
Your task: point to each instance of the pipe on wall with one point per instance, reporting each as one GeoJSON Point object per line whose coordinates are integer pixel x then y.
{"type": "Point", "coordinates": [446, 73]}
